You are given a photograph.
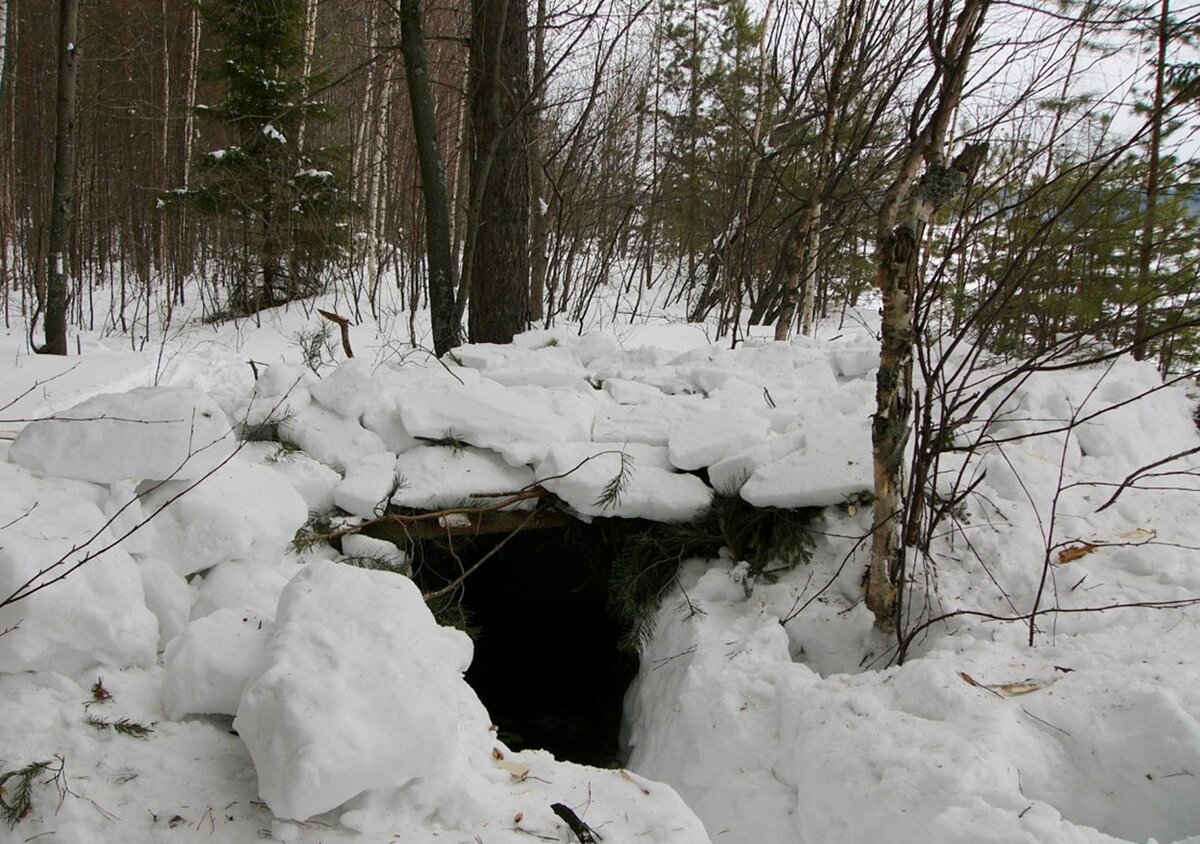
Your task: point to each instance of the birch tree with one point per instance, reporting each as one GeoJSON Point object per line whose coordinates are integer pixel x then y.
{"type": "Point", "coordinates": [899, 234]}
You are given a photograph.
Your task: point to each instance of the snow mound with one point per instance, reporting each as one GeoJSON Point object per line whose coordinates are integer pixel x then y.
{"type": "Point", "coordinates": [152, 432]}
{"type": "Point", "coordinates": [362, 691]}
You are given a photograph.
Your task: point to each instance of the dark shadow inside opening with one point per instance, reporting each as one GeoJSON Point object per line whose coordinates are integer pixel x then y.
{"type": "Point", "coordinates": [547, 663]}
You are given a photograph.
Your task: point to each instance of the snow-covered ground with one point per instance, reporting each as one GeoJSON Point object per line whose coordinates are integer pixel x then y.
{"type": "Point", "coordinates": [296, 697]}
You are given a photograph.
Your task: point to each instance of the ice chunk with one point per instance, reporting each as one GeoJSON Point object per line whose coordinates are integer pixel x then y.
{"type": "Point", "coordinates": [210, 664]}
{"type": "Point", "coordinates": [433, 477]}
{"type": "Point", "coordinates": [362, 691]}
{"type": "Point", "coordinates": [152, 432]}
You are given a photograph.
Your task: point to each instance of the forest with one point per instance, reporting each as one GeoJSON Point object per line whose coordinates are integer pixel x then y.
{"type": "Point", "coordinates": [817, 380]}
{"type": "Point", "coordinates": [741, 154]}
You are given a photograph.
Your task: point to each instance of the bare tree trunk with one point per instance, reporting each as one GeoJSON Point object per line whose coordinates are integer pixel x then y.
{"type": "Point", "coordinates": [3, 43]}
{"type": "Point", "coordinates": [62, 200]}
{"type": "Point", "coordinates": [1142, 290]}
{"type": "Point", "coordinates": [496, 258]}
{"type": "Point", "coordinates": [433, 179]}
{"type": "Point", "coordinates": [900, 230]}
{"type": "Point", "coordinates": [538, 229]}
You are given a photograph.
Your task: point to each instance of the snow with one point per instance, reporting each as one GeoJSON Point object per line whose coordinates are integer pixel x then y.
{"type": "Point", "coordinates": [244, 511]}
{"type": "Point", "coordinates": [210, 664]}
{"type": "Point", "coordinates": [98, 613]}
{"type": "Point", "coordinates": [433, 477]}
{"type": "Point", "coordinates": [154, 433]}
{"type": "Point", "coordinates": [764, 712]}
{"type": "Point", "coordinates": [579, 472]}
{"type": "Point", "coordinates": [369, 635]}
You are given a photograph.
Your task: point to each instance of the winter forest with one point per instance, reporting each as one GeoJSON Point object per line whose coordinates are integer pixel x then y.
{"type": "Point", "coordinates": [757, 421]}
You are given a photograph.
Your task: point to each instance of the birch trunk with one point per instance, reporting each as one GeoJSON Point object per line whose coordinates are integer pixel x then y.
{"type": "Point", "coordinates": [899, 232]}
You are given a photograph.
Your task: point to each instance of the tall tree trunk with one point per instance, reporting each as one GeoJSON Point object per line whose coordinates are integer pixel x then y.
{"type": "Point", "coordinates": [62, 199]}
{"type": "Point", "coordinates": [1142, 290]}
{"type": "Point", "coordinates": [899, 232]}
{"type": "Point", "coordinates": [433, 180]}
{"type": "Point", "coordinates": [538, 228]}
{"type": "Point", "coordinates": [496, 274]}
{"type": "Point", "coordinates": [3, 43]}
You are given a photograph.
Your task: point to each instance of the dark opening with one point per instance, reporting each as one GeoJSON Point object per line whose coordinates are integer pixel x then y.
{"type": "Point", "coordinates": [547, 662]}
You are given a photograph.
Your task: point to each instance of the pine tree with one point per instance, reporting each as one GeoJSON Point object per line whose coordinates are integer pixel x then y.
{"type": "Point", "coordinates": [287, 202]}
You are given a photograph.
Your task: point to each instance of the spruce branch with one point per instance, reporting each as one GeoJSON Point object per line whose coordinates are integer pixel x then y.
{"type": "Point", "coordinates": [16, 788]}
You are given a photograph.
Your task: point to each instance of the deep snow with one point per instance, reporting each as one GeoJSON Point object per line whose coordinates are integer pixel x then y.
{"type": "Point", "coordinates": [770, 708]}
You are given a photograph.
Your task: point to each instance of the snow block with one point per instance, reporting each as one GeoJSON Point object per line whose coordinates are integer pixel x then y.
{"type": "Point", "coordinates": [95, 615]}
{"type": "Point", "coordinates": [833, 464]}
{"type": "Point", "coordinates": [334, 440]}
{"type": "Point", "coordinates": [367, 485]}
{"type": "Point", "coordinates": [210, 664]}
{"type": "Point", "coordinates": [651, 491]}
{"type": "Point", "coordinates": [440, 476]}
{"type": "Point", "coordinates": [149, 433]}
{"type": "Point", "coordinates": [362, 691]}
{"type": "Point", "coordinates": [705, 438]}
{"type": "Point", "coordinates": [243, 511]}
{"type": "Point", "coordinates": [486, 415]}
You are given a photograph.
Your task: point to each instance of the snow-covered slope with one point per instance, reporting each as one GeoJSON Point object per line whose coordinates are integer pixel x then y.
{"type": "Point", "coordinates": [772, 711]}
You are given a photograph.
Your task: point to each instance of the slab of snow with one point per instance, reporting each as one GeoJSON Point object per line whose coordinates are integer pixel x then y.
{"type": "Point", "coordinates": [648, 423]}
{"type": "Point", "coordinates": [97, 614]}
{"type": "Point", "coordinates": [834, 464]}
{"type": "Point", "coordinates": [210, 663]}
{"type": "Point", "coordinates": [362, 691]}
{"type": "Point", "coordinates": [368, 483]}
{"type": "Point", "coordinates": [705, 438]}
{"type": "Point", "coordinates": [244, 511]}
{"type": "Point", "coordinates": [433, 477]}
{"type": "Point", "coordinates": [245, 584]}
{"type": "Point", "coordinates": [650, 491]}
{"type": "Point", "coordinates": [329, 437]}
{"type": "Point", "coordinates": [168, 596]}
{"type": "Point", "coordinates": [485, 415]}
{"type": "Point", "coordinates": [733, 471]}
{"type": "Point", "coordinates": [149, 433]}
